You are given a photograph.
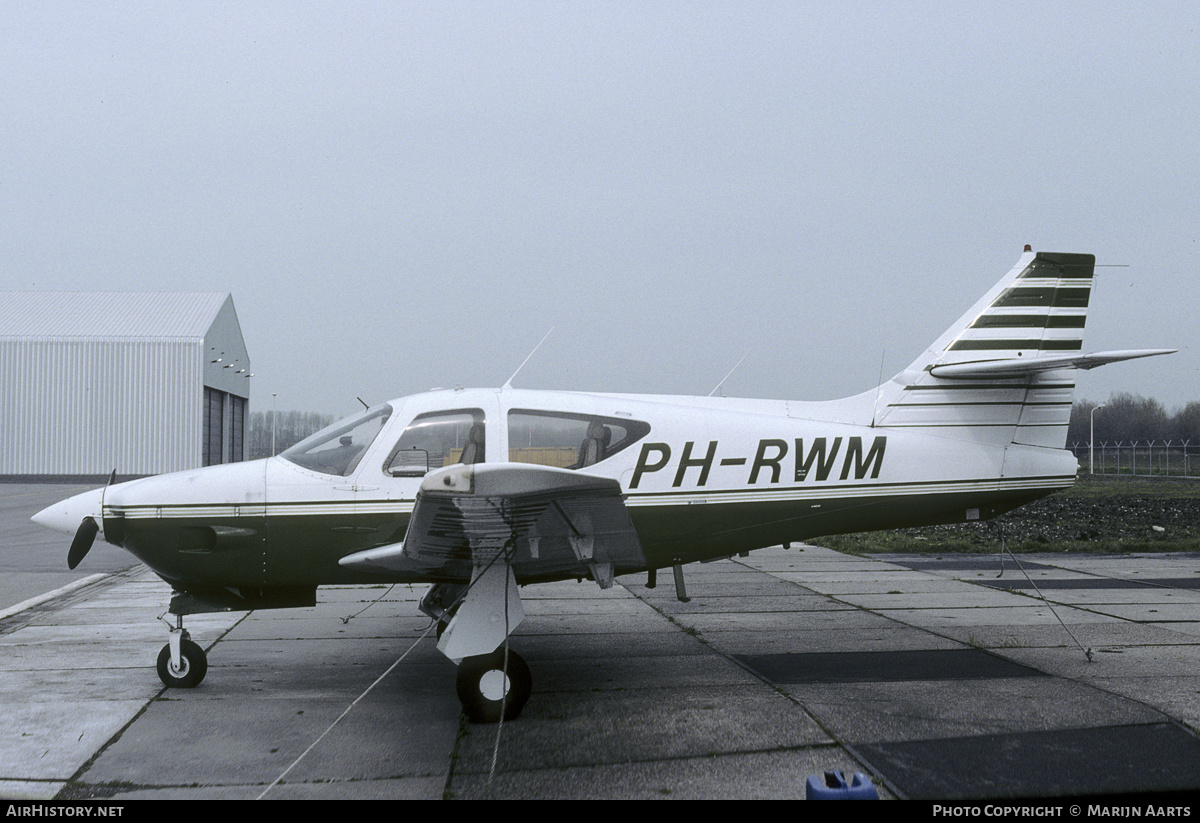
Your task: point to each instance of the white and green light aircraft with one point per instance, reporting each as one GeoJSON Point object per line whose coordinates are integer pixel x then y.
{"type": "Point", "coordinates": [481, 491]}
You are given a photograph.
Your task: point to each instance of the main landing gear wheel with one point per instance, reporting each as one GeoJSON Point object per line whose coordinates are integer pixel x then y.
{"type": "Point", "coordinates": [481, 686]}
{"type": "Point", "coordinates": [193, 665]}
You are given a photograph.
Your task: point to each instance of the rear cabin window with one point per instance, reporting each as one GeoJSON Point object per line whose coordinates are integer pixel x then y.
{"type": "Point", "coordinates": [566, 440]}
{"type": "Point", "coordinates": [438, 439]}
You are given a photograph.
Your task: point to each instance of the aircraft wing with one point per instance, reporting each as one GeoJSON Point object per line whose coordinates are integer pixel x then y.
{"type": "Point", "coordinates": [550, 522]}
{"type": "Point", "coordinates": [1022, 366]}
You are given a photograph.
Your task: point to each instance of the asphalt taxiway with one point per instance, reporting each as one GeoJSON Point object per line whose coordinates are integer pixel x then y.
{"type": "Point", "coordinates": [937, 677]}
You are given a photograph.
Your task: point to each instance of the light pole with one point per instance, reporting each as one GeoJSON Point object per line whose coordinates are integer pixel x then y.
{"type": "Point", "coordinates": [273, 413]}
{"type": "Point", "coordinates": [1092, 441]}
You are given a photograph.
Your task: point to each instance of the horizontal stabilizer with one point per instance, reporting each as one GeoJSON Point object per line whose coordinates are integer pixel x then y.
{"type": "Point", "coordinates": [1021, 366]}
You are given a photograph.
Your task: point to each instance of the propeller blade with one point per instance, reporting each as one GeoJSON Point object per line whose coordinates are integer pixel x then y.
{"type": "Point", "coordinates": [84, 537]}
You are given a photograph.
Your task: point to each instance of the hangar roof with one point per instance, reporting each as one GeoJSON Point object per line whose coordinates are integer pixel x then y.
{"type": "Point", "coordinates": [137, 315]}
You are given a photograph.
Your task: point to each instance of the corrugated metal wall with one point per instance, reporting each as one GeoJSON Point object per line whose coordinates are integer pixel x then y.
{"type": "Point", "coordinates": [79, 406]}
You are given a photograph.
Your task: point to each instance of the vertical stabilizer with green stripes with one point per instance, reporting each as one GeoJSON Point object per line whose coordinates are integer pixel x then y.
{"type": "Point", "coordinates": [1038, 309]}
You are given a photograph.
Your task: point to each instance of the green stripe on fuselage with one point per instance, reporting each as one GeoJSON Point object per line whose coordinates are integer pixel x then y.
{"type": "Point", "coordinates": [674, 527]}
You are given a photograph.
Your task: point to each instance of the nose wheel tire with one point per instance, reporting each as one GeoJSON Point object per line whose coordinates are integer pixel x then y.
{"type": "Point", "coordinates": [485, 692]}
{"type": "Point", "coordinates": [193, 665]}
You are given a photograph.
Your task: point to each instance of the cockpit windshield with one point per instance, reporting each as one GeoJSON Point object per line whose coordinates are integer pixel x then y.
{"type": "Point", "coordinates": [337, 449]}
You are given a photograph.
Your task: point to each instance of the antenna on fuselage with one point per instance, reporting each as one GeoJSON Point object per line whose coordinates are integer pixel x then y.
{"type": "Point", "coordinates": [364, 402]}
{"type": "Point", "coordinates": [878, 388]}
{"type": "Point", "coordinates": [508, 383]}
{"type": "Point", "coordinates": [731, 371]}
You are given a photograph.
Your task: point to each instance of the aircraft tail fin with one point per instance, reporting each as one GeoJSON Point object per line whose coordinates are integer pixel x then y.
{"type": "Point", "coordinates": [1005, 371]}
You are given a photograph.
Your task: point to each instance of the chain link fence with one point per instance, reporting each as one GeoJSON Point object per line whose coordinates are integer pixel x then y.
{"type": "Point", "coordinates": [1140, 458]}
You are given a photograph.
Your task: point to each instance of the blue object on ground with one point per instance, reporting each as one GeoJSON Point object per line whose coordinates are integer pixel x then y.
{"type": "Point", "coordinates": [834, 787]}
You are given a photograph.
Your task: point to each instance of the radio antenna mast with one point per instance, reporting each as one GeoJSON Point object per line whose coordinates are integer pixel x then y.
{"type": "Point", "coordinates": [731, 371]}
{"type": "Point", "coordinates": [508, 383]}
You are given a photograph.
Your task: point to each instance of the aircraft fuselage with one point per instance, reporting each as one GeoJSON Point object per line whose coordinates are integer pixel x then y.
{"type": "Point", "coordinates": [705, 478]}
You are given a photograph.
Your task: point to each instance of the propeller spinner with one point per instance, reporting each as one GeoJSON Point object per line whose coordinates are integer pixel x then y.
{"type": "Point", "coordinates": [65, 517]}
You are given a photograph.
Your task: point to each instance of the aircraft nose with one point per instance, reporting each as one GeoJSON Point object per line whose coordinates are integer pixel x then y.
{"type": "Point", "coordinates": [67, 515]}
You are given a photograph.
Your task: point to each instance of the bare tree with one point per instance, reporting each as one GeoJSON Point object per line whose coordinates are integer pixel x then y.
{"type": "Point", "coordinates": [1186, 423]}
{"type": "Point", "coordinates": [290, 427]}
{"type": "Point", "coordinates": [1125, 417]}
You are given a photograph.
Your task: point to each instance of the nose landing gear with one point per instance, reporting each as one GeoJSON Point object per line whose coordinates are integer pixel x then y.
{"type": "Point", "coordinates": [182, 664]}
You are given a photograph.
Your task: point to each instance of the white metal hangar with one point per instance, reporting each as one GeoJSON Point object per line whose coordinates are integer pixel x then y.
{"type": "Point", "coordinates": [139, 382]}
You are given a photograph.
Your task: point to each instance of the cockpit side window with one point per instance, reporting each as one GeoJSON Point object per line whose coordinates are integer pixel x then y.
{"type": "Point", "coordinates": [337, 449]}
{"type": "Point", "coordinates": [438, 439]}
{"type": "Point", "coordinates": [567, 440]}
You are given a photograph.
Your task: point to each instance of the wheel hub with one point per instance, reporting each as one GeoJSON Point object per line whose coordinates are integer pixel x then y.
{"type": "Point", "coordinates": [494, 685]}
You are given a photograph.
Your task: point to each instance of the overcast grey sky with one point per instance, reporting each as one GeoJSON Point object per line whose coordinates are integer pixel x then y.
{"type": "Point", "coordinates": [403, 195]}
